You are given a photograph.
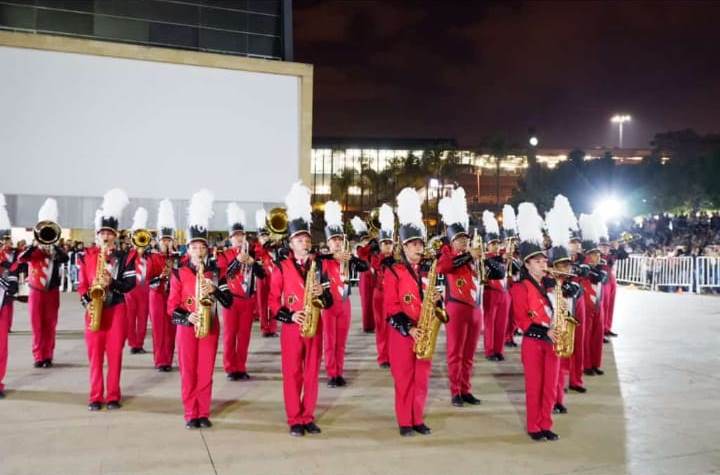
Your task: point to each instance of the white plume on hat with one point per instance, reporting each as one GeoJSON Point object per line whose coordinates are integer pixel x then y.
{"type": "Point", "coordinates": [509, 219]}
{"type": "Point", "coordinates": [562, 204]}
{"type": "Point", "coordinates": [114, 202]}
{"type": "Point", "coordinates": [235, 214]}
{"type": "Point", "coordinates": [455, 208]}
{"type": "Point", "coordinates": [490, 223]}
{"type": "Point", "coordinates": [588, 228]}
{"type": "Point", "coordinates": [98, 218]}
{"type": "Point", "coordinates": [48, 211]}
{"type": "Point", "coordinates": [140, 219]}
{"type": "Point", "coordinates": [529, 224]}
{"type": "Point", "coordinates": [444, 208]}
{"type": "Point", "coordinates": [601, 226]}
{"type": "Point", "coordinates": [358, 224]}
{"type": "Point", "coordinates": [166, 215]}
{"type": "Point", "coordinates": [409, 208]}
{"type": "Point", "coordinates": [4, 217]}
{"type": "Point", "coordinates": [297, 203]}
{"type": "Point", "coordinates": [201, 209]}
{"type": "Point", "coordinates": [260, 218]}
{"type": "Point", "coordinates": [558, 227]}
{"type": "Point", "coordinates": [386, 218]}
{"type": "Point", "coordinates": [333, 214]}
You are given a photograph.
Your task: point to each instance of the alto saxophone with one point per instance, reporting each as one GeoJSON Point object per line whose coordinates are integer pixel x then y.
{"type": "Point", "coordinates": [564, 325]}
{"type": "Point", "coordinates": [431, 317]}
{"type": "Point", "coordinates": [480, 262]}
{"type": "Point", "coordinates": [312, 304]}
{"type": "Point", "coordinates": [97, 292]}
{"type": "Point", "coordinates": [203, 304]}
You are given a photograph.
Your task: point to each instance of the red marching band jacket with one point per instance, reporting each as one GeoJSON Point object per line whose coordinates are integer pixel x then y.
{"type": "Point", "coordinates": [263, 256]}
{"type": "Point", "coordinates": [380, 263]}
{"type": "Point", "coordinates": [158, 263]}
{"type": "Point", "coordinates": [181, 301]}
{"type": "Point", "coordinates": [460, 276]}
{"type": "Point", "coordinates": [43, 269]}
{"type": "Point", "coordinates": [405, 286]}
{"type": "Point", "coordinates": [532, 308]}
{"type": "Point", "coordinates": [287, 288]}
{"type": "Point", "coordinates": [145, 267]}
{"type": "Point", "coordinates": [121, 267]}
{"type": "Point", "coordinates": [240, 279]}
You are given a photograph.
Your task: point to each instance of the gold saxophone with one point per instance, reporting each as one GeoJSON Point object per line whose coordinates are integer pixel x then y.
{"type": "Point", "coordinates": [480, 262]}
{"type": "Point", "coordinates": [345, 268]}
{"type": "Point", "coordinates": [203, 304]}
{"type": "Point", "coordinates": [564, 324]}
{"type": "Point", "coordinates": [97, 291]}
{"type": "Point", "coordinates": [431, 317]}
{"type": "Point", "coordinates": [312, 304]}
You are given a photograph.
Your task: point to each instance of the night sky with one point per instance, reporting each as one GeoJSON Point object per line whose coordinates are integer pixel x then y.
{"type": "Point", "coordinates": [472, 69]}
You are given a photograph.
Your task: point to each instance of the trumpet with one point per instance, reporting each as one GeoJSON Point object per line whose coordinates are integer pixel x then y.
{"type": "Point", "coordinates": [558, 274]}
{"type": "Point", "coordinates": [141, 238]}
{"type": "Point", "coordinates": [47, 232]}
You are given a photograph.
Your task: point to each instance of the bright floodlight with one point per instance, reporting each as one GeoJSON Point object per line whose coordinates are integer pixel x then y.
{"type": "Point", "coordinates": [610, 208]}
{"type": "Point", "coordinates": [533, 141]}
{"type": "Point", "coordinates": [620, 118]}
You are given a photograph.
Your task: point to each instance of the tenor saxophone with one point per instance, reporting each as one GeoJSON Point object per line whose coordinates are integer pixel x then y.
{"type": "Point", "coordinates": [312, 304]}
{"type": "Point", "coordinates": [430, 319]}
{"type": "Point", "coordinates": [564, 325]}
{"type": "Point", "coordinates": [203, 304]}
{"type": "Point", "coordinates": [97, 291]}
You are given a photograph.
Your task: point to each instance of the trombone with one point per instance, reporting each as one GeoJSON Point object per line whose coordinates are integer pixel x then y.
{"type": "Point", "coordinates": [47, 232]}
{"type": "Point", "coordinates": [141, 238]}
{"type": "Point", "coordinates": [277, 223]}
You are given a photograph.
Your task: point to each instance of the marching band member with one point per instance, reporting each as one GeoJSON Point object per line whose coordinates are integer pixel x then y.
{"type": "Point", "coordinates": [534, 315]}
{"type": "Point", "coordinates": [405, 284]}
{"type": "Point", "coordinates": [510, 230]}
{"type": "Point", "coordinates": [268, 324]}
{"type": "Point", "coordinates": [366, 283]}
{"type": "Point", "coordinates": [593, 289]}
{"type": "Point", "coordinates": [610, 253]}
{"type": "Point", "coordinates": [240, 269]}
{"type": "Point", "coordinates": [496, 298]}
{"type": "Point", "coordinates": [456, 262]}
{"type": "Point", "coordinates": [380, 262]}
{"type": "Point", "coordinates": [558, 226]}
{"type": "Point", "coordinates": [8, 288]}
{"type": "Point", "coordinates": [336, 318]}
{"type": "Point", "coordinates": [106, 275]}
{"type": "Point", "coordinates": [195, 289]}
{"type": "Point", "coordinates": [137, 300]}
{"type": "Point", "coordinates": [163, 262]}
{"type": "Point", "coordinates": [44, 258]}
{"type": "Point", "coordinates": [300, 355]}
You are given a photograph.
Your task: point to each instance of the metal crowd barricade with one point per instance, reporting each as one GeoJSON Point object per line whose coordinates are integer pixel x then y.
{"type": "Point", "coordinates": [633, 270]}
{"type": "Point", "coordinates": [707, 273]}
{"type": "Point", "coordinates": [673, 272]}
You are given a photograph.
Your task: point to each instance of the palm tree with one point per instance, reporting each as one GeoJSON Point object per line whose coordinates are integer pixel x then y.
{"type": "Point", "coordinates": [344, 179]}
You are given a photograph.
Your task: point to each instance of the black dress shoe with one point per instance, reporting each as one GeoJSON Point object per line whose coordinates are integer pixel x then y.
{"type": "Point", "coordinates": [165, 368]}
{"type": "Point", "coordinates": [332, 383]}
{"type": "Point", "coordinates": [578, 389]}
{"type": "Point", "coordinates": [94, 406]}
{"type": "Point", "coordinates": [269, 335]}
{"type": "Point", "coordinates": [242, 376]}
{"type": "Point", "coordinates": [192, 424]}
{"type": "Point", "coordinates": [2, 395]}
{"type": "Point", "coordinates": [47, 363]}
{"type": "Point", "coordinates": [457, 401]}
{"type": "Point", "coordinates": [114, 405]}
{"type": "Point", "coordinates": [606, 339]}
{"type": "Point", "coordinates": [369, 332]}
{"type": "Point", "coordinates": [341, 381]}
{"type": "Point", "coordinates": [312, 428]}
{"type": "Point", "coordinates": [550, 435]}
{"type": "Point", "coordinates": [406, 431]}
{"type": "Point", "coordinates": [141, 351]}
{"type": "Point", "coordinates": [589, 372]}
{"type": "Point", "coordinates": [385, 365]}
{"type": "Point", "coordinates": [511, 344]}
{"type": "Point", "coordinates": [297, 430]}
{"type": "Point", "coordinates": [612, 334]}
{"type": "Point", "coordinates": [559, 409]}
{"type": "Point", "coordinates": [38, 364]}
{"type": "Point", "coordinates": [491, 358]}
{"type": "Point", "coordinates": [134, 351]}
{"type": "Point", "coordinates": [204, 422]}
{"type": "Point", "coordinates": [470, 399]}
{"type": "Point", "coordinates": [540, 435]}
{"type": "Point", "coordinates": [499, 357]}
{"type": "Point", "coordinates": [598, 371]}
{"type": "Point", "coordinates": [422, 429]}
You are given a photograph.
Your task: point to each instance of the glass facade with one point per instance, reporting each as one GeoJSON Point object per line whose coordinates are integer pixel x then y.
{"type": "Point", "coordinates": [253, 28]}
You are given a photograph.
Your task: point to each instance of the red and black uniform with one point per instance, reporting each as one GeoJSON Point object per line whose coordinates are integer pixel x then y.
{"type": "Point", "coordinates": [8, 288]}
{"type": "Point", "coordinates": [163, 331]}
{"type": "Point", "coordinates": [336, 317]}
{"type": "Point", "coordinates": [380, 264]}
{"type": "Point", "coordinates": [577, 359]}
{"type": "Point", "coordinates": [268, 324]}
{"type": "Point", "coordinates": [533, 313]}
{"type": "Point", "coordinates": [109, 340]}
{"type": "Point", "coordinates": [366, 286]}
{"type": "Point", "coordinates": [465, 322]}
{"type": "Point", "coordinates": [611, 286]}
{"type": "Point", "coordinates": [44, 298]}
{"type": "Point", "coordinates": [8, 261]}
{"type": "Point", "coordinates": [196, 356]}
{"type": "Point", "coordinates": [138, 300]}
{"type": "Point", "coordinates": [594, 317]}
{"type": "Point", "coordinates": [300, 356]}
{"type": "Point", "coordinates": [496, 305]}
{"type": "Point", "coordinates": [238, 317]}
{"type": "Point", "coordinates": [405, 285]}
{"type": "Point", "coordinates": [572, 293]}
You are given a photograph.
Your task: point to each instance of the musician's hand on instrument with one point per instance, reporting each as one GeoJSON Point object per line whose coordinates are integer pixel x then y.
{"type": "Point", "coordinates": [298, 317]}
{"type": "Point", "coordinates": [552, 335]}
{"type": "Point", "coordinates": [342, 256]}
{"type": "Point", "coordinates": [475, 253]}
{"type": "Point", "coordinates": [436, 296]}
{"type": "Point", "coordinates": [106, 279]}
{"type": "Point", "coordinates": [415, 333]}
{"type": "Point", "coordinates": [317, 290]}
{"type": "Point", "coordinates": [194, 318]}
{"type": "Point", "coordinates": [207, 286]}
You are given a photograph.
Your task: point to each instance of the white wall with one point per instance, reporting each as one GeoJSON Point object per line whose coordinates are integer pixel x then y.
{"type": "Point", "coordinates": [78, 125]}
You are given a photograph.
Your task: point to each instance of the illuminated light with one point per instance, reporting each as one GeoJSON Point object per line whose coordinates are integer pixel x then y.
{"type": "Point", "coordinates": [620, 118]}
{"type": "Point", "coordinates": [638, 220]}
{"type": "Point", "coordinates": [354, 190]}
{"type": "Point", "coordinates": [434, 183]}
{"type": "Point", "coordinates": [609, 208]}
{"type": "Point", "coordinates": [587, 157]}
{"type": "Point", "coordinates": [551, 165]}
{"type": "Point", "coordinates": [322, 189]}
{"type": "Point", "coordinates": [534, 141]}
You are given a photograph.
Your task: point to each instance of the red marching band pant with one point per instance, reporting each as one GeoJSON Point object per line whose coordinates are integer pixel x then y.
{"type": "Point", "coordinates": [463, 333]}
{"type": "Point", "coordinates": [163, 331]}
{"type": "Point", "coordinates": [107, 342]}
{"type": "Point", "coordinates": [541, 368]}
{"type": "Point", "coordinates": [43, 306]}
{"type": "Point", "coordinates": [411, 377]}
{"type": "Point", "coordinates": [578, 357]}
{"type": "Point", "coordinates": [609, 291]}
{"type": "Point", "coordinates": [594, 333]}
{"type": "Point", "coordinates": [336, 327]}
{"type": "Point", "coordinates": [5, 317]}
{"type": "Point", "coordinates": [366, 286]}
{"type": "Point", "coordinates": [196, 359]}
{"type": "Point", "coordinates": [300, 369]}
{"type": "Point", "coordinates": [138, 303]}
{"type": "Point", "coordinates": [237, 327]}
{"type": "Point", "coordinates": [381, 327]}
{"type": "Point", "coordinates": [496, 312]}
{"type": "Point", "coordinates": [267, 323]}
{"type": "Point", "coordinates": [563, 374]}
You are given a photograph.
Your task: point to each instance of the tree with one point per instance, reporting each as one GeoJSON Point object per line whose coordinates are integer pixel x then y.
{"type": "Point", "coordinates": [341, 185]}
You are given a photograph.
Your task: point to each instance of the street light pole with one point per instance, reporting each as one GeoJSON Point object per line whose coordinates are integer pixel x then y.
{"type": "Point", "coordinates": [620, 119]}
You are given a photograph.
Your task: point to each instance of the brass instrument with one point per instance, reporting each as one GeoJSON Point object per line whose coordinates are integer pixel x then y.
{"type": "Point", "coordinates": [510, 255]}
{"type": "Point", "coordinates": [141, 238]}
{"type": "Point", "coordinates": [203, 303]}
{"type": "Point", "coordinates": [277, 223]}
{"type": "Point", "coordinates": [345, 268]}
{"type": "Point", "coordinates": [312, 304]}
{"type": "Point", "coordinates": [627, 238]}
{"type": "Point", "coordinates": [477, 243]}
{"type": "Point", "coordinates": [47, 232]}
{"type": "Point", "coordinates": [564, 324]}
{"type": "Point", "coordinates": [430, 319]}
{"type": "Point", "coordinates": [557, 274]}
{"type": "Point", "coordinates": [373, 222]}
{"type": "Point", "coordinates": [97, 291]}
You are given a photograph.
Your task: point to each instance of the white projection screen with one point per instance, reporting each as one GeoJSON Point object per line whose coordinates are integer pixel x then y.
{"type": "Point", "coordinates": [78, 124]}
